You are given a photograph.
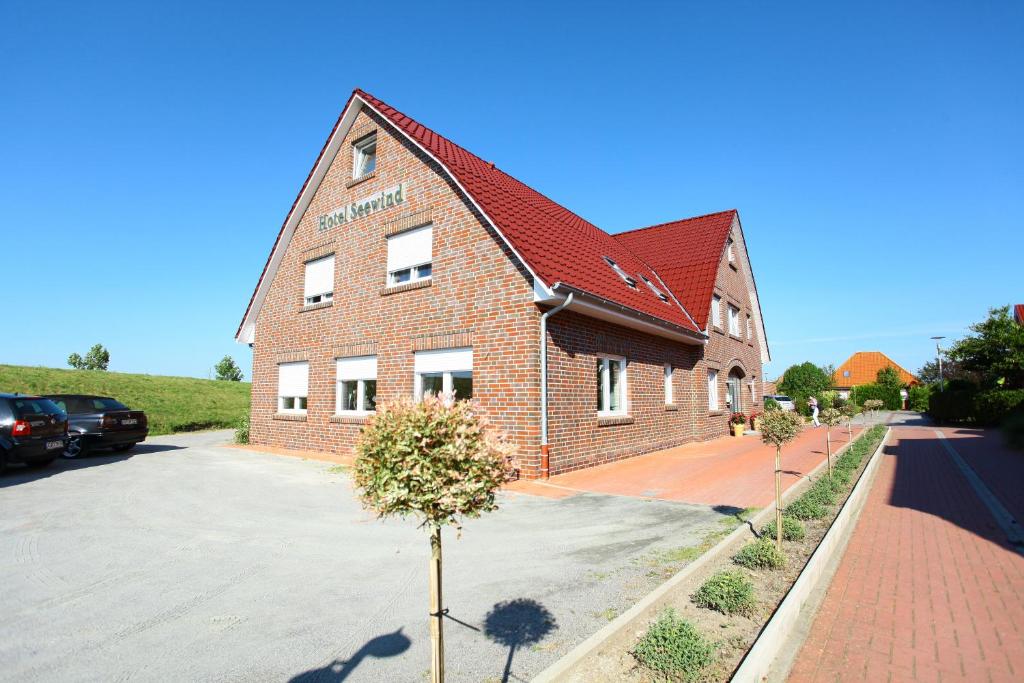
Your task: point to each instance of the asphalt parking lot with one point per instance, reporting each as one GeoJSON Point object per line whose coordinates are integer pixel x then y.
{"type": "Point", "coordinates": [187, 561]}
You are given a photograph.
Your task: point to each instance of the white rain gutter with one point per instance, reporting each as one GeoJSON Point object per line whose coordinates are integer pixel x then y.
{"type": "Point", "coordinates": [544, 462]}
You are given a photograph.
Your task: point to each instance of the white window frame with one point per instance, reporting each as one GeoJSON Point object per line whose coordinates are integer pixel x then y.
{"type": "Point", "coordinates": [311, 295]}
{"type": "Point", "coordinates": [419, 269]}
{"type": "Point", "coordinates": [623, 274]}
{"type": "Point", "coordinates": [669, 384]}
{"type": "Point", "coordinates": [444, 362]}
{"type": "Point", "coordinates": [734, 320]}
{"type": "Point", "coordinates": [657, 292]}
{"type": "Point", "coordinates": [359, 154]}
{"type": "Point", "coordinates": [713, 397]}
{"type": "Point", "coordinates": [299, 398]}
{"type": "Point", "coordinates": [731, 252]}
{"type": "Point", "coordinates": [716, 310]}
{"type": "Point", "coordinates": [623, 409]}
{"type": "Point", "coordinates": [750, 328]}
{"type": "Point", "coordinates": [358, 369]}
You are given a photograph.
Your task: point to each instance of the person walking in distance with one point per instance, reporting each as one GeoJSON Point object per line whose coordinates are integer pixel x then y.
{"type": "Point", "coordinates": [812, 403]}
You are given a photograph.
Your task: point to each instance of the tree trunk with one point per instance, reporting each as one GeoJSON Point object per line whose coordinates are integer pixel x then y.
{"type": "Point", "coordinates": [436, 616]}
{"type": "Point", "coordinates": [828, 449]}
{"type": "Point", "coordinates": [778, 498]}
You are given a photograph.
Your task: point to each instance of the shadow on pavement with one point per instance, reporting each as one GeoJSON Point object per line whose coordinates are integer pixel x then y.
{"type": "Point", "coordinates": [21, 474]}
{"type": "Point", "coordinates": [517, 623]}
{"type": "Point", "coordinates": [387, 645]}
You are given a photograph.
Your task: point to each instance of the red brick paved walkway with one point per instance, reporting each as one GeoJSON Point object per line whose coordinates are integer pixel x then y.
{"type": "Point", "coordinates": [730, 471]}
{"type": "Point", "coordinates": [928, 589]}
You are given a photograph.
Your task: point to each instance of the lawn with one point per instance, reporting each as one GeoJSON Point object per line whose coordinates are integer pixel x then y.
{"type": "Point", "coordinates": [172, 404]}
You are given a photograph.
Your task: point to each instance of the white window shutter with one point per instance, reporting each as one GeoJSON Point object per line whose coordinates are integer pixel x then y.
{"type": "Point", "coordinates": [293, 379]}
{"type": "Point", "coordinates": [319, 276]}
{"type": "Point", "coordinates": [361, 367]}
{"type": "Point", "coordinates": [407, 249]}
{"type": "Point", "coordinates": [444, 360]}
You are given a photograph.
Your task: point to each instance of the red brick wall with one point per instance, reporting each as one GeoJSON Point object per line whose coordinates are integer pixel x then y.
{"type": "Point", "coordinates": [478, 296]}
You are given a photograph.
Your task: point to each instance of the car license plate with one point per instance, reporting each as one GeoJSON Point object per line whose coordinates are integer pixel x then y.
{"type": "Point", "coordinates": [130, 421]}
{"type": "Point", "coordinates": [50, 445]}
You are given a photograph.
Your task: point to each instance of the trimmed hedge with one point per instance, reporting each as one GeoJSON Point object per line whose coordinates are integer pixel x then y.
{"type": "Point", "coordinates": [966, 404]}
{"type": "Point", "coordinates": [889, 396]}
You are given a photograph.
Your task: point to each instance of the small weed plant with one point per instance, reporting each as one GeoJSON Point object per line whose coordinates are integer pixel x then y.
{"type": "Point", "coordinates": [728, 592]}
{"type": "Point", "coordinates": [242, 429]}
{"type": "Point", "coordinates": [761, 554]}
{"type": "Point", "coordinates": [803, 508]}
{"type": "Point", "coordinates": [792, 529]}
{"type": "Point", "coordinates": [673, 649]}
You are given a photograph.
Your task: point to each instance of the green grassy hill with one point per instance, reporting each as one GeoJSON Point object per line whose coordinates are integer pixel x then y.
{"type": "Point", "coordinates": [172, 404]}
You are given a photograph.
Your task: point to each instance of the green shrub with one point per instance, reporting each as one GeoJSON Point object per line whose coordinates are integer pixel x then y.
{"type": "Point", "coordinates": [771, 404]}
{"type": "Point", "coordinates": [992, 407]}
{"type": "Point", "coordinates": [917, 397]}
{"type": "Point", "coordinates": [1013, 429]}
{"type": "Point", "coordinates": [841, 477]}
{"type": "Point", "coordinates": [792, 529]}
{"type": "Point", "coordinates": [242, 429]}
{"type": "Point", "coordinates": [888, 395]}
{"type": "Point", "coordinates": [953, 405]}
{"type": "Point", "coordinates": [821, 492]}
{"type": "Point", "coordinates": [804, 508]}
{"type": "Point", "coordinates": [760, 554]}
{"type": "Point", "coordinates": [674, 649]}
{"type": "Point", "coordinates": [728, 592]}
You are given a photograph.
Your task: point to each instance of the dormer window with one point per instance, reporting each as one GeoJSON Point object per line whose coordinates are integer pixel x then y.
{"type": "Point", "coordinates": [364, 156]}
{"type": "Point", "coordinates": [657, 292]}
{"type": "Point", "coordinates": [618, 269]}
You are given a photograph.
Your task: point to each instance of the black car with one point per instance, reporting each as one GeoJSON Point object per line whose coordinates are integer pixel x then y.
{"type": "Point", "coordinates": [33, 430]}
{"type": "Point", "coordinates": [100, 422]}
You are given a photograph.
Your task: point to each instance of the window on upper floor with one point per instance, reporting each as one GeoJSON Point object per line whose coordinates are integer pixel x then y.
{"type": "Point", "coordinates": [734, 321]}
{"type": "Point", "coordinates": [730, 251]}
{"type": "Point", "coordinates": [618, 269]}
{"type": "Point", "coordinates": [292, 387]}
{"type": "Point", "coordinates": [410, 256]}
{"type": "Point", "coordinates": [319, 283]}
{"type": "Point", "coordinates": [356, 385]}
{"type": "Point", "coordinates": [716, 311]}
{"type": "Point", "coordinates": [657, 292]}
{"type": "Point", "coordinates": [611, 385]}
{"type": "Point", "coordinates": [446, 372]}
{"type": "Point", "coordinates": [364, 156]}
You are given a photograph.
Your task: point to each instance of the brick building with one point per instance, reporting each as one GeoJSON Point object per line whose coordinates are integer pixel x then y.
{"type": "Point", "coordinates": [409, 265]}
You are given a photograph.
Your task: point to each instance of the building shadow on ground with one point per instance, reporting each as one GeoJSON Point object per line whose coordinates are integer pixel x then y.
{"type": "Point", "coordinates": [516, 624]}
{"type": "Point", "coordinates": [22, 474]}
{"type": "Point", "coordinates": [387, 645]}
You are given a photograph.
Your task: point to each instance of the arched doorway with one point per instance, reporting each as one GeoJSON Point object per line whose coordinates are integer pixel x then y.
{"type": "Point", "coordinates": [734, 390]}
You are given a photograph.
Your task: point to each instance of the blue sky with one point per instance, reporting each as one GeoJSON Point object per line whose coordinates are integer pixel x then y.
{"type": "Point", "coordinates": [150, 151]}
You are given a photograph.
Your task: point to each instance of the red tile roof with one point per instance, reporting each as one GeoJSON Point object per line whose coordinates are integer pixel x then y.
{"type": "Point", "coordinates": [556, 244]}
{"type": "Point", "coordinates": [1018, 313]}
{"type": "Point", "coordinates": [686, 254]}
{"type": "Point", "coordinates": [863, 367]}
{"type": "Point", "coordinates": [560, 246]}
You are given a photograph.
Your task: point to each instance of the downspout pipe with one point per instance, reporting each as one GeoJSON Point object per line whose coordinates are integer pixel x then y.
{"type": "Point", "coordinates": [545, 469]}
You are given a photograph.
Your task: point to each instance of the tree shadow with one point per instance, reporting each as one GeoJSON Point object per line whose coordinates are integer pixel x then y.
{"type": "Point", "coordinates": [516, 623]}
{"type": "Point", "coordinates": [387, 645]}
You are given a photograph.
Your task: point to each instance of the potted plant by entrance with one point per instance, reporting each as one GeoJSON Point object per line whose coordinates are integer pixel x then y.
{"type": "Point", "coordinates": [739, 423]}
{"type": "Point", "coordinates": [755, 421]}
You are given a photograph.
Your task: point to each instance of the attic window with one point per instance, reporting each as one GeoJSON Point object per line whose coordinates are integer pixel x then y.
{"type": "Point", "coordinates": [657, 292]}
{"type": "Point", "coordinates": [364, 156]}
{"type": "Point", "coordinates": [730, 251]}
{"type": "Point", "coordinates": [618, 269]}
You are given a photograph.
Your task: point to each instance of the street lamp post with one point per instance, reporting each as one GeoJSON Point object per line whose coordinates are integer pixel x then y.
{"type": "Point", "coordinates": [938, 357]}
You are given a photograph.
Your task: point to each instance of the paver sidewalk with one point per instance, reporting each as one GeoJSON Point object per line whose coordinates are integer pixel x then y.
{"type": "Point", "coordinates": [727, 471]}
{"type": "Point", "coordinates": [928, 589]}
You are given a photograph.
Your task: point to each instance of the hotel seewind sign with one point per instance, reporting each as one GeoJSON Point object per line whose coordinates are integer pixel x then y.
{"type": "Point", "coordinates": [386, 199]}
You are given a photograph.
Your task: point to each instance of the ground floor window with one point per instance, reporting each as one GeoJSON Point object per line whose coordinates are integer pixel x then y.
{"type": "Point", "coordinates": [712, 389]}
{"type": "Point", "coordinates": [447, 372]}
{"type": "Point", "coordinates": [611, 385]}
{"type": "Point", "coordinates": [292, 387]}
{"type": "Point", "coordinates": [356, 385]}
{"type": "Point", "coordinates": [734, 395]}
{"type": "Point", "coordinates": [668, 383]}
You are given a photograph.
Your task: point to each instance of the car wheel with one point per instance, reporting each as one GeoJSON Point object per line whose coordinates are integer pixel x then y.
{"type": "Point", "coordinates": [75, 447]}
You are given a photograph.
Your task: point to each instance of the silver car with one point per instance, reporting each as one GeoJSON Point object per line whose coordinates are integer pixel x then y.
{"type": "Point", "coordinates": [785, 402]}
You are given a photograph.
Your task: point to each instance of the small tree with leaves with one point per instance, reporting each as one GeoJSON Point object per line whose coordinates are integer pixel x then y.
{"type": "Point", "coordinates": [227, 370]}
{"type": "Point", "coordinates": [96, 358]}
{"type": "Point", "coordinates": [779, 427]}
{"type": "Point", "coordinates": [832, 417]}
{"type": "Point", "coordinates": [438, 461]}
{"type": "Point", "coordinates": [850, 411]}
{"type": "Point", "coordinates": [871, 405]}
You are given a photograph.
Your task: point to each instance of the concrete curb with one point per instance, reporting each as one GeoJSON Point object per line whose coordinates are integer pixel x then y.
{"type": "Point", "coordinates": [770, 642]}
{"type": "Point", "coordinates": [646, 607]}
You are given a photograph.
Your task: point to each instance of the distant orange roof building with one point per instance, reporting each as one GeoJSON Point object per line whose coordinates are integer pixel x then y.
{"type": "Point", "coordinates": [1018, 313]}
{"type": "Point", "coordinates": [862, 368]}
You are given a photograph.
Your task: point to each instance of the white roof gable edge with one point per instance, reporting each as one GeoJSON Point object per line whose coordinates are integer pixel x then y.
{"type": "Point", "coordinates": [247, 331]}
{"type": "Point", "coordinates": [755, 300]}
